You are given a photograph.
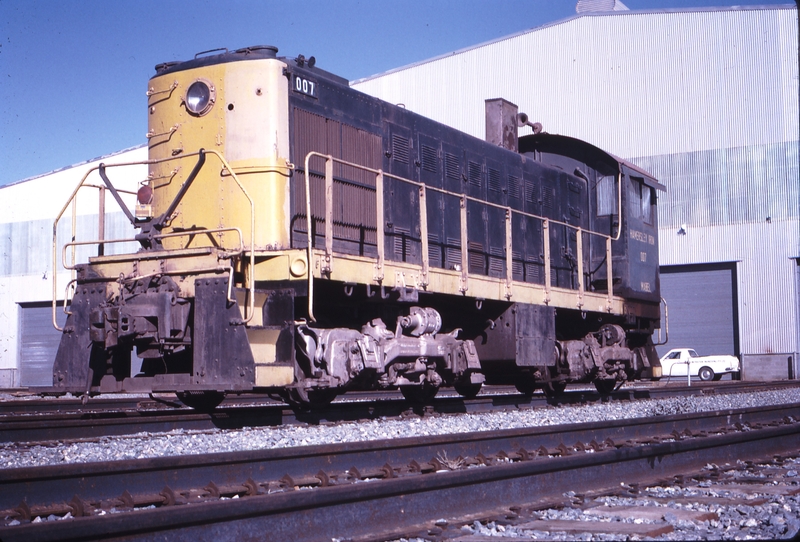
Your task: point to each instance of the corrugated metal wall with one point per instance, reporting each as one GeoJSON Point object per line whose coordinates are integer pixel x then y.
{"type": "Point", "coordinates": [705, 99]}
{"type": "Point", "coordinates": [728, 185]}
{"type": "Point", "coordinates": [26, 248]}
{"type": "Point", "coordinates": [27, 209]}
{"type": "Point", "coordinates": [635, 83]}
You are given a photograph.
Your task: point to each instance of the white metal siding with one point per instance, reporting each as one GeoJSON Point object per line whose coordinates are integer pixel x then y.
{"type": "Point", "coordinates": [634, 83]}
{"type": "Point", "coordinates": [727, 185]}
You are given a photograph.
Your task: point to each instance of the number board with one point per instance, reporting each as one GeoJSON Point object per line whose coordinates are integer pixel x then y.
{"type": "Point", "coordinates": [304, 86]}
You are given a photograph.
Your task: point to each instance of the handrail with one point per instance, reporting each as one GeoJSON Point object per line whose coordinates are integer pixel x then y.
{"type": "Point", "coordinates": [188, 233]}
{"type": "Point", "coordinates": [250, 312]}
{"type": "Point", "coordinates": [666, 325]}
{"type": "Point", "coordinates": [619, 209]}
{"type": "Point", "coordinates": [380, 175]}
{"type": "Point", "coordinates": [101, 169]}
{"type": "Point", "coordinates": [70, 201]}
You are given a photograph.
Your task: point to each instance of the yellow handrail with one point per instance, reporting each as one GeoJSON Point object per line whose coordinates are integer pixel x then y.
{"type": "Point", "coordinates": [423, 188]}
{"type": "Point", "coordinates": [73, 243]}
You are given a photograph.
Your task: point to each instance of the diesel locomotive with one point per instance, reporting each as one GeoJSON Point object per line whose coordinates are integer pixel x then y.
{"type": "Point", "coordinates": [297, 236]}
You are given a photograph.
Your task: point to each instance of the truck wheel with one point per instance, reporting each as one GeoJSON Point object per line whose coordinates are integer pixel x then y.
{"type": "Point", "coordinates": [554, 388]}
{"type": "Point", "coordinates": [467, 389]}
{"type": "Point", "coordinates": [604, 387]}
{"type": "Point", "coordinates": [706, 373]}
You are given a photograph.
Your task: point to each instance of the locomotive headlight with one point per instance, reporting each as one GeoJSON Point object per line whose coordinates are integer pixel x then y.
{"type": "Point", "coordinates": [200, 97]}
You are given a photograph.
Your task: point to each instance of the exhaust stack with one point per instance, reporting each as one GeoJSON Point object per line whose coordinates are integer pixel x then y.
{"type": "Point", "coordinates": [502, 120]}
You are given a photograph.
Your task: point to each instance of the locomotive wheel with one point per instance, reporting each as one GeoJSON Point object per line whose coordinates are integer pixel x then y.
{"type": "Point", "coordinates": [553, 388]}
{"type": "Point", "coordinates": [706, 374]}
{"type": "Point", "coordinates": [312, 398]}
{"type": "Point", "coordinates": [604, 387]}
{"type": "Point", "coordinates": [204, 401]}
{"type": "Point", "coordinates": [419, 394]}
{"type": "Point", "coordinates": [467, 389]}
{"type": "Point", "coordinates": [525, 384]}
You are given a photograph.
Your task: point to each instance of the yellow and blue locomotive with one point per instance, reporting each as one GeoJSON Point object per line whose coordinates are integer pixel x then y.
{"type": "Point", "coordinates": [296, 235]}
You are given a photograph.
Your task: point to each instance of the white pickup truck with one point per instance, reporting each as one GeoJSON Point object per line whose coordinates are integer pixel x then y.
{"type": "Point", "coordinates": [678, 361]}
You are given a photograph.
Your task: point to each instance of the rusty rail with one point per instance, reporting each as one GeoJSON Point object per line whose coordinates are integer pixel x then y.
{"type": "Point", "coordinates": [412, 481]}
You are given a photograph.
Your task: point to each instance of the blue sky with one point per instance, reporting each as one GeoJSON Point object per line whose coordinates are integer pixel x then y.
{"type": "Point", "coordinates": [73, 74]}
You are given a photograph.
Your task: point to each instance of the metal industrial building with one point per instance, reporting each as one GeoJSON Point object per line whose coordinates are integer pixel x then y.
{"type": "Point", "coordinates": [28, 340]}
{"type": "Point", "coordinates": [705, 99]}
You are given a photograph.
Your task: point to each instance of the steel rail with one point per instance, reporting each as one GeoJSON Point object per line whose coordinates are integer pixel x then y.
{"type": "Point", "coordinates": [72, 419]}
{"type": "Point", "coordinates": [521, 465]}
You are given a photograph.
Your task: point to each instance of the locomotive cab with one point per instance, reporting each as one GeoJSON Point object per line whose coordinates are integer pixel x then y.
{"type": "Point", "coordinates": [621, 201]}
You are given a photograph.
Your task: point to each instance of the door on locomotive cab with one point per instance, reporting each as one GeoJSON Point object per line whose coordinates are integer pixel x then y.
{"type": "Point", "coordinates": [605, 221]}
{"type": "Point", "coordinates": [641, 235]}
{"type": "Point", "coordinates": [576, 214]}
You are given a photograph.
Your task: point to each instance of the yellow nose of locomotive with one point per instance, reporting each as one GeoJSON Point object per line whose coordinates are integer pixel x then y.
{"type": "Point", "coordinates": [235, 107]}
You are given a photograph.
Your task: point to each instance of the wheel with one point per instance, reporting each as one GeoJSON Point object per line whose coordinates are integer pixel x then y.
{"type": "Point", "coordinates": [525, 384]}
{"type": "Point", "coordinates": [467, 389]}
{"type": "Point", "coordinates": [419, 394]}
{"type": "Point", "coordinates": [553, 388]}
{"type": "Point", "coordinates": [604, 387]}
{"type": "Point", "coordinates": [706, 373]}
{"type": "Point", "coordinates": [204, 401]}
{"type": "Point", "coordinates": [312, 398]}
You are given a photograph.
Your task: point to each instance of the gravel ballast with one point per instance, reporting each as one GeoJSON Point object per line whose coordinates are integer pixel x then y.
{"type": "Point", "coordinates": [140, 446]}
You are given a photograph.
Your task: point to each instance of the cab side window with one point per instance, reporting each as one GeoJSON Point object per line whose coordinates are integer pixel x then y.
{"type": "Point", "coordinates": [641, 200]}
{"type": "Point", "coordinates": [606, 196]}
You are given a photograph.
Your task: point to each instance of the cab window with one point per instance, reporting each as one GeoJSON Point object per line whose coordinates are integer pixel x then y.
{"type": "Point", "coordinates": [606, 196]}
{"type": "Point", "coordinates": [641, 200]}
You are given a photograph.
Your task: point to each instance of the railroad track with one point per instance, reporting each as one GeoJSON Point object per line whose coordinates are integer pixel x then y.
{"type": "Point", "coordinates": [376, 489]}
{"type": "Point", "coordinates": [40, 420]}
{"type": "Point", "coordinates": [746, 500]}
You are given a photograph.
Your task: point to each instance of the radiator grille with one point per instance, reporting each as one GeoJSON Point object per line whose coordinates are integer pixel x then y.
{"type": "Point", "coordinates": [494, 180]}
{"type": "Point", "coordinates": [452, 166]}
{"type": "Point", "coordinates": [430, 159]}
{"type": "Point", "coordinates": [354, 211]}
{"type": "Point", "coordinates": [474, 173]}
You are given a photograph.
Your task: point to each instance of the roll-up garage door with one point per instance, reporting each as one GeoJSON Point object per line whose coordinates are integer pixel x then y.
{"type": "Point", "coordinates": [38, 343]}
{"type": "Point", "coordinates": [702, 301]}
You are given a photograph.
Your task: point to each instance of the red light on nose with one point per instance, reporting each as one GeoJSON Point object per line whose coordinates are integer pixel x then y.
{"type": "Point", "coordinates": [145, 195]}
